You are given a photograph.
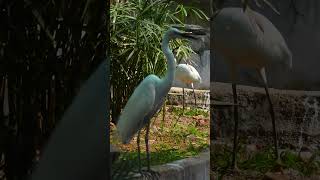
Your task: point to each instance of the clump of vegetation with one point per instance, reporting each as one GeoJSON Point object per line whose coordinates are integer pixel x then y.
{"type": "Point", "coordinates": [262, 161]}
{"type": "Point", "coordinates": [190, 112]}
{"type": "Point", "coordinates": [306, 168]}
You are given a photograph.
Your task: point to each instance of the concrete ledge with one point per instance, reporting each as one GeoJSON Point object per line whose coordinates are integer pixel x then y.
{"type": "Point", "coordinates": [226, 87]}
{"type": "Point", "coordinates": [175, 97]}
{"type": "Point", "coordinates": [194, 168]}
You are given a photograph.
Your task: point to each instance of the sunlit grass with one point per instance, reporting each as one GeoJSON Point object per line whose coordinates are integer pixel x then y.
{"type": "Point", "coordinates": [171, 140]}
{"type": "Point", "coordinates": [261, 161]}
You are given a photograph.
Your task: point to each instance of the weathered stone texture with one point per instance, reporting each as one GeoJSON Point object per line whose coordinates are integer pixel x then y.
{"type": "Point", "coordinates": [175, 97]}
{"type": "Point", "coordinates": [297, 115]}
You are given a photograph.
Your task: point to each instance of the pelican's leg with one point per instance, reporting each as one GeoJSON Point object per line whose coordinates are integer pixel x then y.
{"type": "Point", "coordinates": [235, 117]}
{"type": "Point", "coordinates": [194, 95]}
{"type": "Point", "coordinates": [262, 73]}
{"type": "Point", "coordinates": [147, 145]}
{"type": "Point", "coordinates": [182, 100]}
{"type": "Point", "coordinates": [139, 158]}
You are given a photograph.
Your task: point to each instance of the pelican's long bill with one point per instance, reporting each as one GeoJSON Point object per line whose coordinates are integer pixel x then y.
{"type": "Point", "coordinates": [188, 35]}
{"type": "Point", "coordinates": [190, 31]}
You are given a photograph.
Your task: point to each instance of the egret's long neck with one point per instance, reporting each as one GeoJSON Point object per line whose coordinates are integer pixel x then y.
{"type": "Point", "coordinates": [171, 64]}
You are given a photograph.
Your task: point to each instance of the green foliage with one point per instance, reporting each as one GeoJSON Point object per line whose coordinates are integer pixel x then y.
{"type": "Point", "coordinates": [262, 161]}
{"type": "Point", "coordinates": [220, 158]}
{"type": "Point", "coordinates": [136, 29]}
{"type": "Point", "coordinates": [160, 157]}
{"type": "Point", "coordinates": [123, 168]}
{"type": "Point", "coordinates": [190, 112]}
{"type": "Point", "coordinates": [172, 143]}
{"type": "Point", "coordinates": [306, 168]}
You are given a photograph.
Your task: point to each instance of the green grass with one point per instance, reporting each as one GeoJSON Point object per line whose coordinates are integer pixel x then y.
{"type": "Point", "coordinates": [306, 168]}
{"type": "Point", "coordinates": [262, 161]}
{"type": "Point", "coordinates": [161, 156]}
{"type": "Point", "coordinates": [167, 153]}
{"type": "Point", "coordinates": [169, 143]}
{"type": "Point", "coordinates": [190, 112]}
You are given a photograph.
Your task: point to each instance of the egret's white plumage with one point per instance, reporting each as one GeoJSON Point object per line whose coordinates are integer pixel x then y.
{"type": "Point", "coordinates": [187, 74]}
{"type": "Point", "coordinates": [139, 105]}
{"type": "Point", "coordinates": [249, 39]}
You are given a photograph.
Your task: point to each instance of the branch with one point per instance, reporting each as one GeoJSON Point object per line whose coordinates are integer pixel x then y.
{"type": "Point", "coordinates": [271, 6]}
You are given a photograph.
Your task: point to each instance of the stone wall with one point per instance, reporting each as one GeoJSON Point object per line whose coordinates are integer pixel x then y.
{"type": "Point", "coordinates": [297, 115]}
{"type": "Point", "coordinates": [175, 97]}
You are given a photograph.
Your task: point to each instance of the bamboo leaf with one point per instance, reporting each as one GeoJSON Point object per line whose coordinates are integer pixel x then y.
{"type": "Point", "coordinates": [271, 6]}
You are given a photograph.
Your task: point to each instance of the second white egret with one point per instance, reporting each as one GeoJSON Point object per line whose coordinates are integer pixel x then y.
{"type": "Point", "coordinates": [188, 75]}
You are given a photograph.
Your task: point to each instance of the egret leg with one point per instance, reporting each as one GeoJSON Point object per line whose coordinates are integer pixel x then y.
{"type": "Point", "coordinates": [147, 145]}
{"type": "Point", "coordinates": [163, 115]}
{"type": "Point", "coordinates": [235, 117]}
{"type": "Point", "coordinates": [194, 95]}
{"type": "Point", "coordinates": [271, 110]}
{"type": "Point", "coordinates": [182, 101]}
{"type": "Point", "coordinates": [139, 158]}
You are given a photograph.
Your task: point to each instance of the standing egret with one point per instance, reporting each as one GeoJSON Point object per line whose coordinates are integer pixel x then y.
{"type": "Point", "coordinates": [188, 75]}
{"type": "Point", "coordinates": [249, 39]}
{"type": "Point", "coordinates": [149, 96]}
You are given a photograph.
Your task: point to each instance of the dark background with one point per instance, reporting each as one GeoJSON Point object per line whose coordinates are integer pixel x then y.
{"type": "Point", "coordinates": [47, 51]}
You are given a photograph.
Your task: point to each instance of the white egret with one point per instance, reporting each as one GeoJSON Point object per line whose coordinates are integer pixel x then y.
{"type": "Point", "coordinates": [249, 39]}
{"type": "Point", "coordinates": [149, 96]}
{"type": "Point", "coordinates": [188, 75]}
